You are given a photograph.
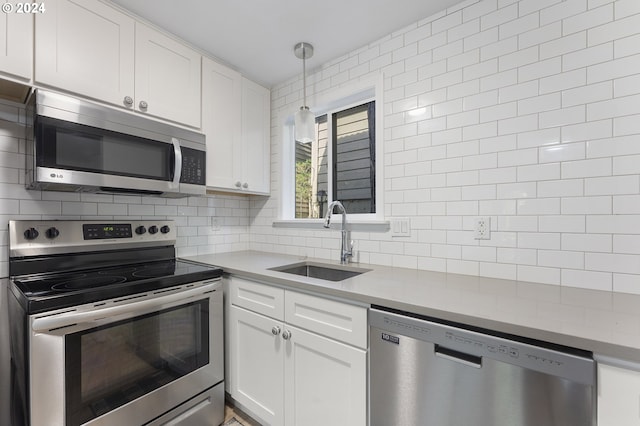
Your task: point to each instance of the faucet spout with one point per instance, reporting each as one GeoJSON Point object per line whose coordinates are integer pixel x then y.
{"type": "Point", "coordinates": [346, 247]}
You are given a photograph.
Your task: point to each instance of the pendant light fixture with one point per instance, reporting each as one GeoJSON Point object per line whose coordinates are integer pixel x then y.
{"type": "Point", "coordinates": [304, 120]}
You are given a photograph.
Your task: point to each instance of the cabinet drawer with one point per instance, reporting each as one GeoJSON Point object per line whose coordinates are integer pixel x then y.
{"type": "Point", "coordinates": [256, 297]}
{"type": "Point", "coordinates": [336, 320]}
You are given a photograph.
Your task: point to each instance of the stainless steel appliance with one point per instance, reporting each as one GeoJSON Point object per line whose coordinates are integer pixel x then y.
{"type": "Point", "coordinates": [109, 328]}
{"type": "Point", "coordinates": [427, 372]}
{"type": "Point", "coordinates": [77, 145]}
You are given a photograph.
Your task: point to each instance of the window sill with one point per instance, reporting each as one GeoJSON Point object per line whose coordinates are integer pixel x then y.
{"type": "Point", "coordinates": [358, 226]}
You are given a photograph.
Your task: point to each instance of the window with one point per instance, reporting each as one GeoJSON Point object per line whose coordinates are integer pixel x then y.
{"type": "Point", "coordinates": [339, 165]}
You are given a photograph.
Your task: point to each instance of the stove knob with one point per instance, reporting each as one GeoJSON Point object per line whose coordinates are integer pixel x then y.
{"type": "Point", "coordinates": [165, 229]}
{"type": "Point", "coordinates": [141, 230]}
{"type": "Point", "coordinates": [52, 232]}
{"type": "Point", "coordinates": [31, 234]}
{"type": "Point", "coordinates": [153, 229]}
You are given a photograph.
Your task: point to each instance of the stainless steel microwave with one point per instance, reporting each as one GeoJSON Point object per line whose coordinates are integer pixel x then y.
{"type": "Point", "coordinates": [81, 146]}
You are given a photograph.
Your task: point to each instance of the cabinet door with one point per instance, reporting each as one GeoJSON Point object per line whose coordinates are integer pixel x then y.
{"type": "Point", "coordinates": [221, 123]}
{"type": "Point", "coordinates": [87, 47]}
{"type": "Point", "coordinates": [167, 77]}
{"type": "Point", "coordinates": [257, 364]}
{"type": "Point", "coordinates": [325, 381]}
{"type": "Point", "coordinates": [16, 44]}
{"type": "Point", "coordinates": [618, 396]}
{"type": "Point", "coordinates": [256, 125]}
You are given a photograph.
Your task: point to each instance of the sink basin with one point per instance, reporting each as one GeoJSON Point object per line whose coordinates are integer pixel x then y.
{"type": "Point", "coordinates": [320, 271]}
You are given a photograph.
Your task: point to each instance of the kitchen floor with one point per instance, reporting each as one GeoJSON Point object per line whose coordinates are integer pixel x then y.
{"type": "Point", "coordinates": [231, 412]}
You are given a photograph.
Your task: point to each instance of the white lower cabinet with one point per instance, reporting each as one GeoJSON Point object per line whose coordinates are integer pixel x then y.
{"type": "Point", "coordinates": [290, 374]}
{"type": "Point", "coordinates": [618, 396]}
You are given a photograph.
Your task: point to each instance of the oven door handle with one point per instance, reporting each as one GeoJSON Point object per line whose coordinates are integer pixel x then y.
{"type": "Point", "coordinates": [67, 319]}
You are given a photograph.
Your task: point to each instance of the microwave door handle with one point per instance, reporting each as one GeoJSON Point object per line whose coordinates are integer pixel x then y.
{"type": "Point", "coordinates": [51, 322]}
{"type": "Point", "coordinates": [177, 173]}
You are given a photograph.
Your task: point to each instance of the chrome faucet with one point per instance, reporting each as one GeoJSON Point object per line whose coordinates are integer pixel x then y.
{"type": "Point", "coordinates": [346, 246]}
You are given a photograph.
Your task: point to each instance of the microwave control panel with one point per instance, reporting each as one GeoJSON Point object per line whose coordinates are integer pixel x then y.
{"type": "Point", "coordinates": [193, 166]}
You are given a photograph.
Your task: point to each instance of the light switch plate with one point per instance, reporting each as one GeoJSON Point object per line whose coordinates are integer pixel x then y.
{"type": "Point", "coordinates": [401, 227]}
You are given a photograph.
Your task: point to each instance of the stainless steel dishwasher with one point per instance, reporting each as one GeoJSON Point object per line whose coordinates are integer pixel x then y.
{"type": "Point", "coordinates": [428, 373]}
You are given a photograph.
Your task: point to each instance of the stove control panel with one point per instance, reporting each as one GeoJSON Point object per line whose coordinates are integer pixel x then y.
{"type": "Point", "coordinates": [105, 231]}
{"type": "Point", "coordinates": [35, 237]}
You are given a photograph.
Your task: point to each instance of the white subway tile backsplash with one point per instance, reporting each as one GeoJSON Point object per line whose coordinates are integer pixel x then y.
{"type": "Point", "coordinates": [518, 59]}
{"type": "Point", "coordinates": [526, 116]}
{"type": "Point", "coordinates": [586, 168]}
{"type": "Point", "coordinates": [540, 35]}
{"type": "Point", "coordinates": [562, 223]}
{"type": "Point", "coordinates": [539, 240]}
{"type": "Point", "coordinates": [539, 206]}
{"type": "Point", "coordinates": [623, 263]}
{"type": "Point", "coordinates": [561, 259]}
{"type": "Point", "coordinates": [587, 242]}
{"type": "Point", "coordinates": [585, 131]}
{"type": "Point", "coordinates": [629, 244]}
{"type": "Point", "coordinates": [587, 279]}
{"type": "Point", "coordinates": [624, 8]}
{"type": "Point", "coordinates": [587, 94]}
{"type": "Point", "coordinates": [614, 30]}
{"type": "Point", "coordinates": [626, 204]}
{"type": "Point", "coordinates": [539, 274]}
{"type": "Point", "coordinates": [538, 172]}
{"type": "Point", "coordinates": [613, 108]}
{"type": "Point", "coordinates": [613, 224]}
{"type": "Point", "coordinates": [589, 19]}
{"type": "Point", "coordinates": [617, 146]}
{"type": "Point", "coordinates": [516, 190]}
{"type": "Point", "coordinates": [519, 124]}
{"type": "Point", "coordinates": [626, 46]}
{"type": "Point", "coordinates": [627, 86]}
{"type": "Point", "coordinates": [612, 69]}
{"type": "Point", "coordinates": [517, 158]}
{"type": "Point", "coordinates": [548, 102]}
{"type": "Point", "coordinates": [587, 205]}
{"type": "Point", "coordinates": [562, 10]}
{"type": "Point", "coordinates": [563, 152]}
{"type": "Point", "coordinates": [591, 56]}
{"type": "Point", "coordinates": [563, 117]}
{"type": "Point", "coordinates": [615, 185]}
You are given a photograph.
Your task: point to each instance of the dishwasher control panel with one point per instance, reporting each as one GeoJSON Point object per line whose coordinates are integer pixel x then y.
{"type": "Point", "coordinates": [393, 328]}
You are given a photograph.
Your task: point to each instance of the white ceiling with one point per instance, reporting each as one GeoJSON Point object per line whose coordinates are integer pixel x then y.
{"type": "Point", "coordinates": [256, 37]}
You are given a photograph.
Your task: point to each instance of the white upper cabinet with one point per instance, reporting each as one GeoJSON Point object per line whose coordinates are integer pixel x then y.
{"type": "Point", "coordinates": [236, 121]}
{"type": "Point", "coordinates": [167, 77]}
{"type": "Point", "coordinates": [86, 47]}
{"type": "Point", "coordinates": [16, 45]}
{"type": "Point", "coordinates": [256, 125]}
{"type": "Point", "coordinates": [221, 123]}
{"type": "Point", "coordinates": [94, 50]}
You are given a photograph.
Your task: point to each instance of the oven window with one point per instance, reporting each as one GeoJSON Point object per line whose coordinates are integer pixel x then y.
{"type": "Point", "coordinates": [111, 365]}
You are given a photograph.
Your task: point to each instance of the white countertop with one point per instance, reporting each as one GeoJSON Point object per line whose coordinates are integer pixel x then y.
{"type": "Point", "coordinates": [605, 323]}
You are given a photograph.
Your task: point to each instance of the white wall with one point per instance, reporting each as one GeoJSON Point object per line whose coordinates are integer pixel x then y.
{"type": "Point", "coordinates": [193, 215]}
{"type": "Point", "coordinates": [525, 111]}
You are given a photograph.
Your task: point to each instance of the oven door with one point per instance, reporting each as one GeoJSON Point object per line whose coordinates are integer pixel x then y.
{"type": "Point", "coordinates": [126, 361]}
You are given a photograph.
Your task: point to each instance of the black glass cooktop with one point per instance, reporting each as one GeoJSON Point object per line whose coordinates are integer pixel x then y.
{"type": "Point", "coordinates": [44, 292]}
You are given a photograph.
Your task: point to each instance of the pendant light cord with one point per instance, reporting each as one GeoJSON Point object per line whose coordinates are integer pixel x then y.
{"type": "Point", "coordinates": [304, 76]}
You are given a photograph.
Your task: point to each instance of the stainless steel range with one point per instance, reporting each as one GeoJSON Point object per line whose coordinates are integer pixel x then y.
{"type": "Point", "coordinates": [109, 328]}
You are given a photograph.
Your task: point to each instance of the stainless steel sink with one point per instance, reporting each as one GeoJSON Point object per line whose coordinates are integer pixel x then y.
{"type": "Point", "coordinates": [320, 271]}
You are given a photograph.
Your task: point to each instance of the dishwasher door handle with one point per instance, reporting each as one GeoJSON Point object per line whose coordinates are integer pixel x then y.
{"type": "Point", "coordinates": [457, 356]}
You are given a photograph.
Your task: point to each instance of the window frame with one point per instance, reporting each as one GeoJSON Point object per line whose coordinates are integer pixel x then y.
{"type": "Point", "coordinates": [331, 102]}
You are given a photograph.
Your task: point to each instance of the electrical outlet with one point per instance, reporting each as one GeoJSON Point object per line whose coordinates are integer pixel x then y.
{"type": "Point", "coordinates": [482, 228]}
